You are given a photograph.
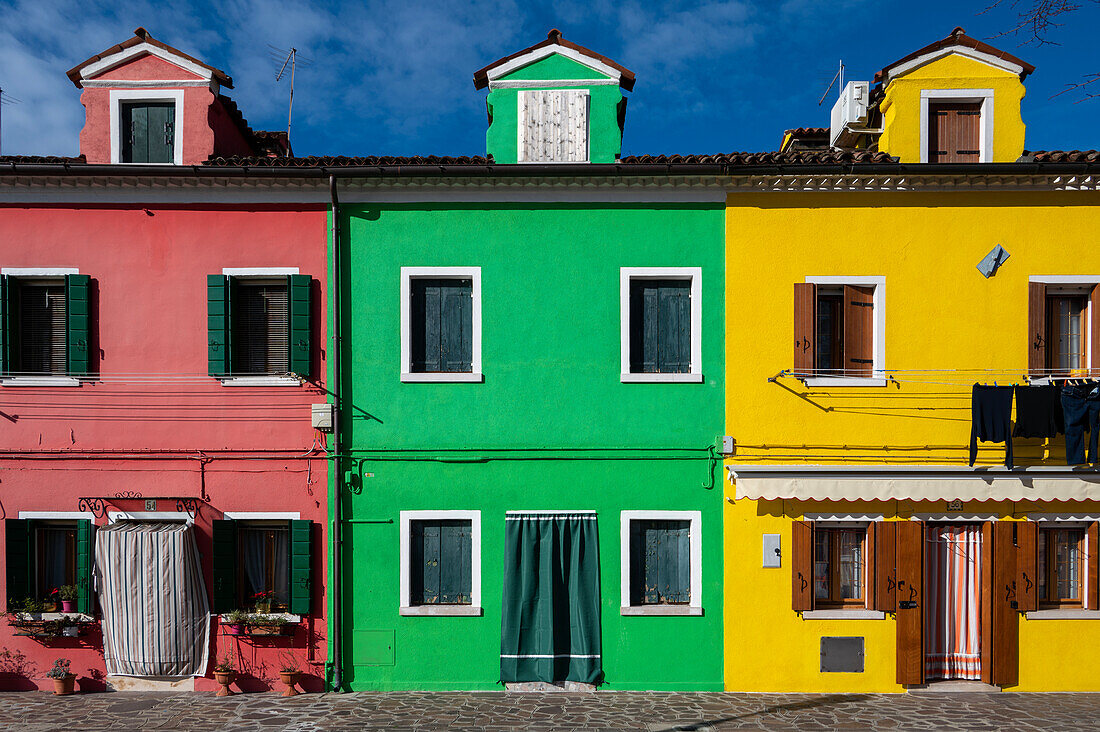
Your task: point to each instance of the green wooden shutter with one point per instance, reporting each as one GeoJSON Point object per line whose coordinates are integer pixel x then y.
{"type": "Point", "coordinates": [148, 133]}
{"type": "Point", "coordinates": [225, 566]}
{"type": "Point", "coordinates": [455, 551]}
{"type": "Point", "coordinates": [674, 327]}
{"type": "Point", "coordinates": [161, 134]}
{"type": "Point", "coordinates": [300, 296]}
{"type": "Point", "coordinates": [301, 565]}
{"type": "Point", "coordinates": [76, 307]}
{"type": "Point", "coordinates": [650, 318]}
{"type": "Point", "coordinates": [428, 562]}
{"type": "Point", "coordinates": [217, 325]}
{"type": "Point", "coordinates": [85, 559]}
{"type": "Point", "coordinates": [18, 535]}
{"type": "Point", "coordinates": [456, 320]}
{"type": "Point", "coordinates": [425, 326]}
{"type": "Point", "coordinates": [651, 587]}
{"type": "Point", "coordinates": [674, 562]}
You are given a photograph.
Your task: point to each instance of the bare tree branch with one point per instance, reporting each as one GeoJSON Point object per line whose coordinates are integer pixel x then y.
{"type": "Point", "coordinates": [1080, 86]}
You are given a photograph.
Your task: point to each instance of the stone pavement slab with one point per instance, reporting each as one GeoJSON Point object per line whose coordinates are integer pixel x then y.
{"type": "Point", "coordinates": [483, 711]}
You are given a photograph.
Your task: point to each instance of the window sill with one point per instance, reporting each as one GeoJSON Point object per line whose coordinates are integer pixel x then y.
{"type": "Point", "coordinates": [661, 378]}
{"type": "Point", "coordinates": [467, 377]}
{"type": "Point", "coordinates": [1067, 614]}
{"type": "Point", "coordinates": [40, 381]}
{"type": "Point", "coordinates": [78, 617]}
{"type": "Point", "coordinates": [844, 381]}
{"type": "Point", "coordinates": [261, 381]}
{"type": "Point", "coordinates": [455, 611]}
{"type": "Point", "coordinates": [843, 615]}
{"type": "Point", "coordinates": [681, 610]}
{"type": "Point", "coordinates": [286, 617]}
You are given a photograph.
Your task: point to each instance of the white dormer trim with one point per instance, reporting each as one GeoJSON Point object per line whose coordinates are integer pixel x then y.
{"type": "Point", "coordinates": [985, 58]}
{"type": "Point", "coordinates": [540, 53]}
{"type": "Point", "coordinates": [985, 123]}
{"type": "Point", "coordinates": [148, 84]}
{"type": "Point", "coordinates": [146, 95]}
{"type": "Point", "coordinates": [543, 83]}
{"type": "Point", "coordinates": [117, 59]}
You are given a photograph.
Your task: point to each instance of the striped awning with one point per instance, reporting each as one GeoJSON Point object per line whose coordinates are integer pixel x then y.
{"type": "Point", "coordinates": [927, 483]}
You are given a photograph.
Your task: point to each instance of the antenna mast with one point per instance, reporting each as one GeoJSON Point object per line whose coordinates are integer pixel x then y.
{"type": "Point", "coordinates": [838, 75]}
{"type": "Point", "coordinates": [291, 60]}
{"type": "Point", "coordinates": [9, 100]}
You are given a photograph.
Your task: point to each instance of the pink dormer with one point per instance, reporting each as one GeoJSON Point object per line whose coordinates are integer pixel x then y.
{"type": "Point", "coordinates": [147, 102]}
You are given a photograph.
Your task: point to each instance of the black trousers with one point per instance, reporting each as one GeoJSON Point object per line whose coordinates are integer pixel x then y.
{"type": "Point", "coordinates": [1081, 407]}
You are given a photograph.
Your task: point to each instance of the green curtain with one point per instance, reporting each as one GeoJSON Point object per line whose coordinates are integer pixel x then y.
{"type": "Point", "coordinates": [550, 624]}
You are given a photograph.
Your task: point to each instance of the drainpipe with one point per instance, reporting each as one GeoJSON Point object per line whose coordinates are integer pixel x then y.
{"type": "Point", "coordinates": [336, 637]}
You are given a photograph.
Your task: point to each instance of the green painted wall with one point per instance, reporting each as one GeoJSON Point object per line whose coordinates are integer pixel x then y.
{"type": "Point", "coordinates": [551, 427]}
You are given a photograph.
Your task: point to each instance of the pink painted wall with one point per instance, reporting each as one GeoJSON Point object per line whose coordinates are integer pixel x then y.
{"type": "Point", "coordinates": [243, 448]}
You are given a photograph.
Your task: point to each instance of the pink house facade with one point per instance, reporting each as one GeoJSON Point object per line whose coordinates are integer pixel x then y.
{"type": "Point", "coordinates": [163, 369]}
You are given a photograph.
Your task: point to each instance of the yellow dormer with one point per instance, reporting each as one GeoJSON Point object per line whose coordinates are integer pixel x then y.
{"type": "Point", "coordinates": [954, 101]}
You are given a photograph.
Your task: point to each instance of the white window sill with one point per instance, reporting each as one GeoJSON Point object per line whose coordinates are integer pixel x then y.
{"type": "Point", "coordinates": [1067, 614]}
{"type": "Point", "coordinates": [682, 610]}
{"type": "Point", "coordinates": [77, 617]}
{"type": "Point", "coordinates": [661, 378]}
{"type": "Point", "coordinates": [844, 381]}
{"type": "Point", "coordinates": [454, 377]}
{"type": "Point", "coordinates": [843, 615]}
{"type": "Point", "coordinates": [261, 381]}
{"type": "Point", "coordinates": [454, 611]}
{"type": "Point", "coordinates": [287, 617]}
{"type": "Point", "coordinates": [40, 381]}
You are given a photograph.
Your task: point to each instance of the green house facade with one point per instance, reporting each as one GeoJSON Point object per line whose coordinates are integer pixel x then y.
{"type": "Point", "coordinates": [531, 395]}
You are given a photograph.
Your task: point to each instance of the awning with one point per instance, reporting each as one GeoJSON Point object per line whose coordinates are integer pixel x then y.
{"type": "Point", "coordinates": [926, 483]}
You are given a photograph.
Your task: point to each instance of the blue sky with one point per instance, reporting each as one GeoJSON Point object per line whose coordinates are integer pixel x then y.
{"type": "Point", "coordinates": [394, 76]}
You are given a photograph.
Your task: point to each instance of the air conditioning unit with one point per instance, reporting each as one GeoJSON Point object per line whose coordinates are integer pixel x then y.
{"type": "Point", "coordinates": [849, 113]}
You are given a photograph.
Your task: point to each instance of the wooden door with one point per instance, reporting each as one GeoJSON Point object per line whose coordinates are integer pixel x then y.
{"type": "Point", "coordinates": [954, 134]}
{"type": "Point", "coordinates": [910, 602]}
{"type": "Point", "coordinates": [1006, 627]}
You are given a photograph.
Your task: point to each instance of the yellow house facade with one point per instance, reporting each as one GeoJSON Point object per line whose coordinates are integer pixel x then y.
{"type": "Point", "coordinates": [867, 294]}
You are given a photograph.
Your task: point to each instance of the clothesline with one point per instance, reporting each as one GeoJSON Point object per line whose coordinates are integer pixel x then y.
{"type": "Point", "coordinates": [967, 377]}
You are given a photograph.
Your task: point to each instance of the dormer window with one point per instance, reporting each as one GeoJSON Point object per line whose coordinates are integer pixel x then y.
{"type": "Point", "coordinates": [954, 132]}
{"type": "Point", "coordinates": [148, 131]}
{"type": "Point", "coordinates": [553, 126]}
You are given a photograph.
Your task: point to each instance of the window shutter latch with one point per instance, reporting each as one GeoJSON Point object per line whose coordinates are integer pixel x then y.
{"type": "Point", "coordinates": [167, 133]}
{"type": "Point", "coordinates": [862, 304]}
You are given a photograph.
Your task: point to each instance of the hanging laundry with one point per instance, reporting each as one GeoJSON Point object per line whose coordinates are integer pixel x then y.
{"type": "Point", "coordinates": [1081, 412]}
{"type": "Point", "coordinates": [991, 418]}
{"type": "Point", "coordinates": [1039, 411]}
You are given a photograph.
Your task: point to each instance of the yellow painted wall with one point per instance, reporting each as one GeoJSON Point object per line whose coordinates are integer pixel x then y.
{"type": "Point", "coordinates": [940, 314]}
{"type": "Point", "coordinates": [901, 106]}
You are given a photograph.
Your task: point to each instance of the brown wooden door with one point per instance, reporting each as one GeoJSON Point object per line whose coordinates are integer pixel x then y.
{"type": "Point", "coordinates": [1006, 624]}
{"type": "Point", "coordinates": [910, 601]}
{"type": "Point", "coordinates": [953, 132]}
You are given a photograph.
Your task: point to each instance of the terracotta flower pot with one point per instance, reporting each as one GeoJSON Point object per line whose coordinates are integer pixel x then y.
{"type": "Point", "coordinates": [224, 678]}
{"type": "Point", "coordinates": [234, 628]}
{"type": "Point", "coordinates": [68, 606]}
{"type": "Point", "coordinates": [65, 686]}
{"type": "Point", "coordinates": [290, 680]}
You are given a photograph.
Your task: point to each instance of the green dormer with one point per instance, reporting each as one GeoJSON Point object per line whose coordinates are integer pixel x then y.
{"type": "Point", "coordinates": [555, 102]}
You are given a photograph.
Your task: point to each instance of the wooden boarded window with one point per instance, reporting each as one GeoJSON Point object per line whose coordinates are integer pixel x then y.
{"type": "Point", "coordinates": [553, 126]}
{"type": "Point", "coordinates": [441, 562]}
{"type": "Point", "coordinates": [660, 326]}
{"type": "Point", "coordinates": [660, 562]}
{"type": "Point", "coordinates": [260, 326]}
{"type": "Point", "coordinates": [442, 325]}
{"type": "Point", "coordinates": [829, 331]}
{"type": "Point", "coordinates": [148, 132]}
{"type": "Point", "coordinates": [954, 132]}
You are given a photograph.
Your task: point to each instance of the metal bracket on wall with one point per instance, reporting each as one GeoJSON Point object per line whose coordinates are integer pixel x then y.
{"type": "Point", "coordinates": [97, 505]}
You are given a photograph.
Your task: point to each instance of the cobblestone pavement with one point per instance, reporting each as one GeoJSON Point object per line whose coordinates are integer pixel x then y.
{"type": "Point", "coordinates": [650, 712]}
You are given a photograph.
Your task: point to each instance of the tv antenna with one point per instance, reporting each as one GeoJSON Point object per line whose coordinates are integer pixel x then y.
{"type": "Point", "coordinates": [840, 88]}
{"type": "Point", "coordinates": [288, 59]}
{"type": "Point", "coordinates": [5, 100]}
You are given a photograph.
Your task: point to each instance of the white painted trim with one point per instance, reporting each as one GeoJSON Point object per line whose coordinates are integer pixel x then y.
{"type": "Point", "coordinates": [695, 542]}
{"type": "Point", "coordinates": [985, 123]}
{"type": "Point", "coordinates": [817, 381]}
{"type": "Point", "coordinates": [538, 54]}
{"type": "Point", "coordinates": [146, 95]}
{"type": "Point", "coordinates": [856, 614]}
{"type": "Point", "coordinates": [406, 519]}
{"type": "Point", "coordinates": [1067, 614]}
{"type": "Point", "coordinates": [461, 377]}
{"type": "Point", "coordinates": [40, 381]}
{"type": "Point", "coordinates": [441, 611]}
{"type": "Point", "coordinates": [550, 83]}
{"type": "Point", "coordinates": [261, 381]}
{"type": "Point", "coordinates": [662, 610]}
{"type": "Point", "coordinates": [549, 512]}
{"type": "Point", "coordinates": [972, 53]}
{"type": "Point", "coordinates": [1082, 518]}
{"type": "Point", "coordinates": [262, 515]}
{"type": "Point", "coordinates": [58, 515]}
{"type": "Point", "coordinates": [692, 274]}
{"type": "Point", "coordinates": [1065, 279]}
{"type": "Point", "coordinates": [1086, 282]}
{"type": "Point", "coordinates": [115, 516]}
{"type": "Point", "coordinates": [407, 275]}
{"type": "Point", "coordinates": [117, 59]}
{"type": "Point", "coordinates": [148, 84]}
{"type": "Point", "coordinates": [288, 617]}
{"type": "Point", "coordinates": [864, 518]}
{"type": "Point", "coordinates": [951, 516]}
{"type": "Point", "coordinates": [258, 271]}
{"type": "Point", "coordinates": [878, 338]}
{"type": "Point", "coordinates": [661, 378]}
{"type": "Point", "coordinates": [39, 271]}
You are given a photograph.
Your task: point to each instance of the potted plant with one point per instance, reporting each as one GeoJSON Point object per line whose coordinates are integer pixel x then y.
{"type": "Point", "coordinates": [235, 621]}
{"type": "Point", "coordinates": [68, 598]}
{"type": "Point", "coordinates": [225, 673]}
{"type": "Point", "coordinates": [266, 624]}
{"type": "Point", "coordinates": [50, 604]}
{"type": "Point", "coordinates": [262, 602]}
{"type": "Point", "coordinates": [64, 680]}
{"type": "Point", "coordinates": [289, 672]}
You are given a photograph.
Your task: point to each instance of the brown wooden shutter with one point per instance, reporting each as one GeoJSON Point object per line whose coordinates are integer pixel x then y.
{"type": "Point", "coordinates": [869, 566]}
{"type": "Point", "coordinates": [805, 302]}
{"type": "Point", "coordinates": [1027, 562]}
{"type": "Point", "coordinates": [1036, 328]}
{"type": "Point", "coordinates": [987, 602]}
{"type": "Point", "coordinates": [1094, 329]}
{"type": "Point", "coordinates": [910, 591]}
{"type": "Point", "coordinates": [1006, 623]}
{"type": "Point", "coordinates": [885, 539]}
{"type": "Point", "coordinates": [802, 566]}
{"type": "Point", "coordinates": [859, 328]}
{"type": "Point", "coordinates": [954, 132]}
{"type": "Point", "coordinates": [1091, 536]}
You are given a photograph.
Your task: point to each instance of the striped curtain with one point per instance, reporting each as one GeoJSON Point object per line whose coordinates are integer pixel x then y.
{"type": "Point", "coordinates": [156, 618]}
{"type": "Point", "coordinates": [953, 601]}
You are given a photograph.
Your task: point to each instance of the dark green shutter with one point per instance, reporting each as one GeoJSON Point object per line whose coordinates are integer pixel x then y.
{"type": "Point", "coordinates": [455, 550]}
{"type": "Point", "coordinates": [426, 559]}
{"type": "Point", "coordinates": [225, 566]}
{"type": "Point", "coordinates": [84, 562]}
{"type": "Point", "coordinates": [456, 317]}
{"type": "Point", "coordinates": [217, 325]}
{"type": "Point", "coordinates": [660, 562]}
{"type": "Point", "coordinates": [674, 328]}
{"type": "Point", "coordinates": [148, 133]}
{"type": "Point", "coordinates": [301, 564]}
{"type": "Point", "coordinates": [18, 535]}
{"type": "Point", "coordinates": [76, 306]}
{"type": "Point", "coordinates": [425, 325]}
{"type": "Point", "coordinates": [300, 345]}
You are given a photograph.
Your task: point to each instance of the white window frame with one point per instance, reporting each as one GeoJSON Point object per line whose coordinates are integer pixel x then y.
{"type": "Point", "coordinates": [40, 381]}
{"type": "Point", "coordinates": [1067, 285]}
{"type": "Point", "coordinates": [695, 544]}
{"type": "Point", "coordinates": [1067, 521]}
{"type": "Point", "coordinates": [261, 380]}
{"type": "Point", "coordinates": [878, 336]}
{"type": "Point", "coordinates": [408, 274]}
{"type": "Point", "coordinates": [521, 127]}
{"type": "Point", "coordinates": [985, 124]}
{"type": "Point", "coordinates": [118, 96]}
{"type": "Point", "coordinates": [692, 274]}
{"type": "Point", "coordinates": [406, 607]}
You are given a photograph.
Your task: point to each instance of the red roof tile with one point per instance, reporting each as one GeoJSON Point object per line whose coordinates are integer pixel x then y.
{"type": "Point", "coordinates": [1062, 156]}
{"type": "Point", "coordinates": [142, 36]}
{"type": "Point", "coordinates": [481, 76]}
{"type": "Point", "coordinates": [958, 37]}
